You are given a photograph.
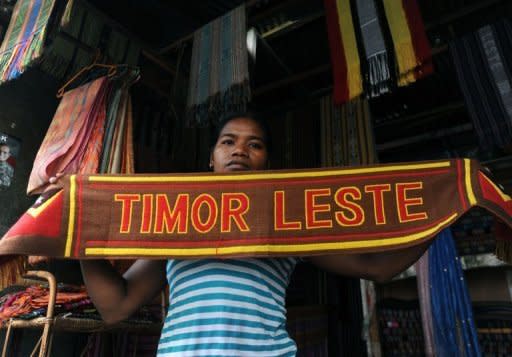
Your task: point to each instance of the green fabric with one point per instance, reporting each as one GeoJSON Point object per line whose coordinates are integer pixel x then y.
{"type": "Point", "coordinates": [25, 36]}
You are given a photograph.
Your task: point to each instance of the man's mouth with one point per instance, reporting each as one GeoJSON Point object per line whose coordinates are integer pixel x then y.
{"type": "Point", "coordinates": [237, 165]}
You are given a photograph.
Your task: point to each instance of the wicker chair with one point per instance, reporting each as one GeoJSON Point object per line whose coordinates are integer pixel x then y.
{"type": "Point", "coordinates": [62, 323]}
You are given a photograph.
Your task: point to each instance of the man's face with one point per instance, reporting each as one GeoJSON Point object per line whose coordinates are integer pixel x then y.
{"type": "Point", "coordinates": [240, 147]}
{"type": "Point", "coordinates": [5, 152]}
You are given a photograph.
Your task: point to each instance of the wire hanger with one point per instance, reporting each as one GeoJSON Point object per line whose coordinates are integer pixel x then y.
{"type": "Point", "coordinates": [112, 70]}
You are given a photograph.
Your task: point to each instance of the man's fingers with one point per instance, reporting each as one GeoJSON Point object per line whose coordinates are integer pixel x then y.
{"type": "Point", "coordinates": [55, 178]}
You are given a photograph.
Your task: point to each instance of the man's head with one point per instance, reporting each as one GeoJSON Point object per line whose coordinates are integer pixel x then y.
{"type": "Point", "coordinates": [5, 152]}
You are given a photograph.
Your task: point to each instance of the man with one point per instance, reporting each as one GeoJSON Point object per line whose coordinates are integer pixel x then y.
{"type": "Point", "coordinates": [6, 170]}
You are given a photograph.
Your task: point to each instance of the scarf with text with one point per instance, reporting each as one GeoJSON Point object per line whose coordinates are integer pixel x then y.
{"type": "Point", "coordinates": [270, 213]}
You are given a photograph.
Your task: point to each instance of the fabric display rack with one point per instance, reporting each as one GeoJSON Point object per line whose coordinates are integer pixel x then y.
{"type": "Point", "coordinates": [72, 320]}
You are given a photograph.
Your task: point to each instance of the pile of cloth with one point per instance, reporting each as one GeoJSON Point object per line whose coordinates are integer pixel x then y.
{"type": "Point", "coordinates": [32, 302]}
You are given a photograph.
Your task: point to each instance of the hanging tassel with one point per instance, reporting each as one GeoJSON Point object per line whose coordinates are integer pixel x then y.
{"type": "Point", "coordinates": [12, 268]}
{"type": "Point", "coordinates": [379, 73]}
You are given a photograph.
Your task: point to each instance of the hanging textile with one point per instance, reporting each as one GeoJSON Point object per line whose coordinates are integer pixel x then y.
{"type": "Point", "coordinates": [453, 325]}
{"type": "Point", "coordinates": [90, 133]}
{"type": "Point", "coordinates": [484, 70]}
{"type": "Point", "coordinates": [378, 57]}
{"type": "Point", "coordinates": [81, 23]}
{"type": "Point", "coordinates": [24, 40]}
{"type": "Point", "coordinates": [346, 67]}
{"type": "Point", "coordinates": [375, 45]}
{"type": "Point", "coordinates": [219, 75]}
{"type": "Point", "coordinates": [347, 133]}
{"type": "Point", "coordinates": [423, 283]}
{"type": "Point", "coordinates": [80, 116]}
{"type": "Point", "coordinates": [44, 35]}
{"type": "Point", "coordinates": [412, 49]}
{"type": "Point", "coordinates": [277, 212]}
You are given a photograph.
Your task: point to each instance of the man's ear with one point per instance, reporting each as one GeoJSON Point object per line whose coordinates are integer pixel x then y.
{"type": "Point", "coordinates": [210, 165]}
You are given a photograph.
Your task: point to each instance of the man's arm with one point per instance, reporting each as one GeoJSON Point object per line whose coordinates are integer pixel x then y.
{"type": "Point", "coordinates": [379, 267]}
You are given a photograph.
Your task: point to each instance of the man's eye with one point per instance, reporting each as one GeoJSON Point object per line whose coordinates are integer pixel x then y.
{"type": "Point", "coordinates": [227, 142]}
{"type": "Point", "coordinates": [256, 145]}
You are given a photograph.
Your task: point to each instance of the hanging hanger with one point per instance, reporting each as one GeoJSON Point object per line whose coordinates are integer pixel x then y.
{"type": "Point", "coordinates": [112, 70]}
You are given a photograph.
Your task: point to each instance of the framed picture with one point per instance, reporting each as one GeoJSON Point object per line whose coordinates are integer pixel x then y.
{"type": "Point", "coordinates": [9, 153]}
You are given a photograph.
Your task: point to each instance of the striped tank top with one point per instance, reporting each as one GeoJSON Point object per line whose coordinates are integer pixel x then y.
{"type": "Point", "coordinates": [227, 308]}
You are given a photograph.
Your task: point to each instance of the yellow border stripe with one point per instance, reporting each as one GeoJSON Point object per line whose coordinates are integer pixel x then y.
{"type": "Point", "coordinates": [266, 176]}
{"type": "Point", "coordinates": [348, 37]}
{"type": "Point", "coordinates": [402, 41]}
{"type": "Point", "coordinates": [71, 222]}
{"type": "Point", "coordinates": [503, 195]}
{"type": "Point", "coordinates": [34, 212]}
{"type": "Point", "coordinates": [469, 184]}
{"type": "Point", "coordinates": [310, 248]}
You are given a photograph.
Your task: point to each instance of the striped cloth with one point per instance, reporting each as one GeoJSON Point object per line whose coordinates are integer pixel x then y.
{"type": "Point", "coordinates": [227, 308]}
{"type": "Point", "coordinates": [483, 66]}
{"type": "Point", "coordinates": [379, 60]}
{"type": "Point", "coordinates": [25, 36]}
{"type": "Point", "coordinates": [73, 126]}
{"type": "Point", "coordinates": [346, 66]}
{"type": "Point", "coordinates": [367, 37]}
{"type": "Point", "coordinates": [412, 49]}
{"type": "Point", "coordinates": [219, 74]}
{"type": "Point", "coordinates": [347, 133]}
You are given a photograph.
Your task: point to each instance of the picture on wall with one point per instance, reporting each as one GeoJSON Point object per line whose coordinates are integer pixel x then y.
{"type": "Point", "coordinates": [9, 153]}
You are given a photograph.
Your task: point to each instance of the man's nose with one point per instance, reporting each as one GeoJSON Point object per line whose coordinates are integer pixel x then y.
{"type": "Point", "coordinates": [239, 150]}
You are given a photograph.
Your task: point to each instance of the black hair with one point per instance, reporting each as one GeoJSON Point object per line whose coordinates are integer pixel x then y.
{"type": "Point", "coordinates": [267, 138]}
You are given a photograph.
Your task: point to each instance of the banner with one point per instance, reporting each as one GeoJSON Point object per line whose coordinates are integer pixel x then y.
{"type": "Point", "coordinates": [262, 213]}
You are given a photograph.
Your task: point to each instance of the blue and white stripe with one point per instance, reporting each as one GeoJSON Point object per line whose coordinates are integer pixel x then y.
{"type": "Point", "coordinates": [227, 308]}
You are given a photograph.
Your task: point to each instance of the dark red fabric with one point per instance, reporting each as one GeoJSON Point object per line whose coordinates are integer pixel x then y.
{"type": "Point", "coordinates": [339, 63]}
{"type": "Point", "coordinates": [419, 38]}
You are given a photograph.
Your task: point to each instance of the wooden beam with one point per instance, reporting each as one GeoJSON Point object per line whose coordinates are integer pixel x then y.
{"type": "Point", "coordinates": [156, 59]}
{"type": "Point", "coordinates": [417, 119]}
{"type": "Point", "coordinates": [292, 25]}
{"type": "Point", "coordinates": [146, 53]}
{"type": "Point", "coordinates": [190, 36]}
{"type": "Point", "coordinates": [292, 79]}
{"type": "Point", "coordinates": [275, 56]}
{"type": "Point", "coordinates": [426, 136]}
{"type": "Point", "coordinates": [465, 11]}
